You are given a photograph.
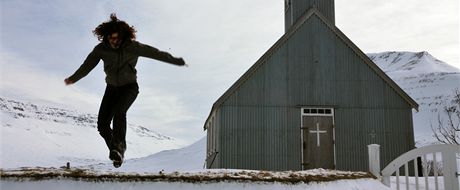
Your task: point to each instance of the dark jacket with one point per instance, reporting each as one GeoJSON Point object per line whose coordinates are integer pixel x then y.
{"type": "Point", "coordinates": [120, 64]}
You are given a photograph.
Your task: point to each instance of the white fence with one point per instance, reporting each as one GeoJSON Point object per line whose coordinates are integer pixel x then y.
{"type": "Point", "coordinates": [431, 157]}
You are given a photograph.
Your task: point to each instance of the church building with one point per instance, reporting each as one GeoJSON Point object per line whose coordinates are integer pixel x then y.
{"type": "Point", "coordinates": [313, 100]}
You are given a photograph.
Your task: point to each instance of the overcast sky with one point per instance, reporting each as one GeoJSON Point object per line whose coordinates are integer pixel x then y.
{"type": "Point", "coordinates": [45, 41]}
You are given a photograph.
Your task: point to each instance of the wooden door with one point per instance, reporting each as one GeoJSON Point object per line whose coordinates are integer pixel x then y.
{"type": "Point", "coordinates": [318, 142]}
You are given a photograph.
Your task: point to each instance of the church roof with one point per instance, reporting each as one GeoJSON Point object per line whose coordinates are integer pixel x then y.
{"type": "Point", "coordinates": [311, 12]}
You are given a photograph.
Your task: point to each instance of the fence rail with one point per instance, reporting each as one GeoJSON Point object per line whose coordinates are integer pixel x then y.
{"type": "Point", "coordinates": [431, 159]}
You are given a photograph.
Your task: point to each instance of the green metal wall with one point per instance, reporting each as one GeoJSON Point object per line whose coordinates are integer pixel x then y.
{"type": "Point", "coordinates": [259, 125]}
{"type": "Point", "coordinates": [296, 8]}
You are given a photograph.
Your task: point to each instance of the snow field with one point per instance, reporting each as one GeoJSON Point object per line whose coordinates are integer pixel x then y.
{"type": "Point", "coordinates": [359, 184]}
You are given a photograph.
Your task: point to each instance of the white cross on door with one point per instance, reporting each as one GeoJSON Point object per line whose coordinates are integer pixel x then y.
{"type": "Point", "coordinates": [317, 134]}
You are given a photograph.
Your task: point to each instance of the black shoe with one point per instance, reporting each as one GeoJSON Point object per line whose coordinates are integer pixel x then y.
{"type": "Point", "coordinates": [117, 164]}
{"type": "Point", "coordinates": [116, 157]}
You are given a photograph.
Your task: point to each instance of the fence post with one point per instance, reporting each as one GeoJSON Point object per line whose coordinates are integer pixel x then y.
{"type": "Point", "coordinates": [374, 159]}
{"type": "Point", "coordinates": [449, 168]}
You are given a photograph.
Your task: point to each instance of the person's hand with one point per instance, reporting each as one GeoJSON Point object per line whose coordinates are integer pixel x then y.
{"type": "Point", "coordinates": [67, 81]}
{"type": "Point", "coordinates": [181, 62]}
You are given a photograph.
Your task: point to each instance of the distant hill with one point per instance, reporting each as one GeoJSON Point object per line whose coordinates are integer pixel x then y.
{"type": "Point", "coordinates": [40, 135]}
{"type": "Point", "coordinates": [429, 81]}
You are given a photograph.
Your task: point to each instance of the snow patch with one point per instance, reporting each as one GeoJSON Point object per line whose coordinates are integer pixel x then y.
{"type": "Point", "coordinates": [49, 178]}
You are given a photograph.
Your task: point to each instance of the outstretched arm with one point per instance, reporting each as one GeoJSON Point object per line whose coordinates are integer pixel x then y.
{"type": "Point", "coordinates": [90, 62]}
{"type": "Point", "coordinates": [151, 52]}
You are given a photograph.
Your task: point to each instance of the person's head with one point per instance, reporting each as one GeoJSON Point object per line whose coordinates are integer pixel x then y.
{"type": "Point", "coordinates": [114, 32]}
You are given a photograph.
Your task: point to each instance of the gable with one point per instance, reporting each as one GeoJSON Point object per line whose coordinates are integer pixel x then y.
{"type": "Point", "coordinates": [330, 45]}
{"type": "Point", "coordinates": [323, 70]}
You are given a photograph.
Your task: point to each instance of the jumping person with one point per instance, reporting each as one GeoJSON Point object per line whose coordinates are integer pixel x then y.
{"type": "Point", "coordinates": [119, 52]}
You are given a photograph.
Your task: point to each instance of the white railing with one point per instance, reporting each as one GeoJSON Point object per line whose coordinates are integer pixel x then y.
{"type": "Point", "coordinates": [444, 156]}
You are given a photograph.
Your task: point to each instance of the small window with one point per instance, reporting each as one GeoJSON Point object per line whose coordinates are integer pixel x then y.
{"type": "Point", "coordinates": [317, 111]}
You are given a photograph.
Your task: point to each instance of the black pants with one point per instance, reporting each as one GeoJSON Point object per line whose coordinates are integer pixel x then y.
{"type": "Point", "coordinates": [114, 105]}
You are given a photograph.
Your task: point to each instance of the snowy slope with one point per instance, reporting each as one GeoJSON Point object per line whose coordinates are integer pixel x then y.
{"type": "Point", "coordinates": [38, 135]}
{"type": "Point", "coordinates": [188, 158]}
{"type": "Point", "coordinates": [429, 81]}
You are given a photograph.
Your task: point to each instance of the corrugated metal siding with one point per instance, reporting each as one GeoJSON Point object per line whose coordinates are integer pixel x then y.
{"type": "Point", "coordinates": [213, 144]}
{"type": "Point", "coordinates": [326, 7]}
{"type": "Point", "coordinates": [333, 69]}
{"type": "Point", "coordinates": [386, 127]}
{"type": "Point", "coordinates": [331, 74]}
{"type": "Point", "coordinates": [258, 137]}
{"type": "Point", "coordinates": [260, 122]}
{"type": "Point", "coordinates": [287, 16]}
{"type": "Point", "coordinates": [267, 86]}
{"type": "Point", "coordinates": [299, 8]}
{"type": "Point", "coordinates": [260, 132]}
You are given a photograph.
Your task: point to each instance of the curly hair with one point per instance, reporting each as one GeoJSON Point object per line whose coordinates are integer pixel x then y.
{"type": "Point", "coordinates": [112, 26]}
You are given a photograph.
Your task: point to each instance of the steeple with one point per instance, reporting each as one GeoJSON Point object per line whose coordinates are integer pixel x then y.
{"type": "Point", "coordinates": [294, 9]}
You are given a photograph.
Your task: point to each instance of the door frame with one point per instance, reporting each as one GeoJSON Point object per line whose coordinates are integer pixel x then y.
{"type": "Point", "coordinates": [304, 112]}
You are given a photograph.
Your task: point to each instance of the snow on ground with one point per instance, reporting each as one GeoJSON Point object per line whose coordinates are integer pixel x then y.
{"type": "Point", "coordinates": [431, 183]}
{"type": "Point", "coordinates": [188, 158]}
{"type": "Point", "coordinates": [53, 178]}
{"type": "Point", "coordinates": [360, 184]}
{"type": "Point", "coordinates": [50, 178]}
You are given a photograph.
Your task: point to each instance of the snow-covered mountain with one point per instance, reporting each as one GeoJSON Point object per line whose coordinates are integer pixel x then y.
{"type": "Point", "coordinates": [39, 135]}
{"type": "Point", "coordinates": [429, 81]}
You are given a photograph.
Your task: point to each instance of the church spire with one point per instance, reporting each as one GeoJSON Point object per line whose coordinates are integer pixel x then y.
{"type": "Point", "coordinates": [294, 9]}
